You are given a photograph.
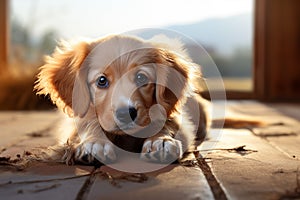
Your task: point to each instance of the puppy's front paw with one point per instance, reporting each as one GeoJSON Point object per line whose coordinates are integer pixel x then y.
{"type": "Point", "coordinates": [89, 152]}
{"type": "Point", "coordinates": [162, 149]}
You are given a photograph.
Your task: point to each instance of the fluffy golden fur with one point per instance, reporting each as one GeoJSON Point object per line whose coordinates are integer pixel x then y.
{"type": "Point", "coordinates": [97, 82]}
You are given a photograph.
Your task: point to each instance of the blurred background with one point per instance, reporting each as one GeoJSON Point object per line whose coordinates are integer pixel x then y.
{"type": "Point", "coordinates": [223, 28]}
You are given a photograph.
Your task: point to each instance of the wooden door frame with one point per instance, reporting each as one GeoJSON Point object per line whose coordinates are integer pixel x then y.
{"type": "Point", "coordinates": [4, 36]}
{"type": "Point", "coordinates": [259, 53]}
{"type": "Point", "coordinates": [277, 50]}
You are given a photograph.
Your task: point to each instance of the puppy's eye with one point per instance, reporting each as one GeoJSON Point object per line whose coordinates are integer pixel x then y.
{"type": "Point", "coordinates": [141, 79]}
{"type": "Point", "coordinates": [102, 82]}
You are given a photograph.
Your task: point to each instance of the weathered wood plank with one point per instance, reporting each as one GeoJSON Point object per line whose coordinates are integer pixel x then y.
{"type": "Point", "coordinates": [288, 109]}
{"type": "Point", "coordinates": [288, 145]}
{"type": "Point", "coordinates": [43, 181]}
{"type": "Point", "coordinates": [262, 172]}
{"type": "Point", "coordinates": [26, 131]}
{"type": "Point", "coordinates": [263, 112]}
{"type": "Point", "coordinates": [16, 127]}
{"type": "Point", "coordinates": [284, 129]}
{"type": "Point", "coordinates": [173, 182]}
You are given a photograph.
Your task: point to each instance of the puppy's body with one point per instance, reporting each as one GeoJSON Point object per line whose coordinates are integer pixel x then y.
{"type": "Point", "coordinates": [126, 93]}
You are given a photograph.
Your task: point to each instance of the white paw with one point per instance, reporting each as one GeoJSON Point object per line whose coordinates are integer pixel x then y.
{"type": "Point", "coordinates": [161, 149]}
{"type": "Point", "coordinates": [102, 151]}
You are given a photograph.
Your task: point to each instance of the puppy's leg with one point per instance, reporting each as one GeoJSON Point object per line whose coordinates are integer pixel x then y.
{"type": "Point", "coordinates": [171, 142]}
{"type": "Point", "coordinates": [161, 148]}
{"type": "Point", "coordinates": [89, 147]}
{"type": "Point", "coordinates": [92, 150]}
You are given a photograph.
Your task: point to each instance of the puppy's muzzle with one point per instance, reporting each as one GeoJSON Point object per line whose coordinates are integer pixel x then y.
{"type": "Point", "coordinates": [126, 115]}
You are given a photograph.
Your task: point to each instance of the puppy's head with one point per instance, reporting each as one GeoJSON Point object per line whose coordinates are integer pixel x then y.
{"type": "Point", "coordinates": [127, 82]}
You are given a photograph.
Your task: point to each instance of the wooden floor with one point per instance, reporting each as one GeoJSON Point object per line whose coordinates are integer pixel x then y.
{"type": "Point", "coordinates": [245, 163]}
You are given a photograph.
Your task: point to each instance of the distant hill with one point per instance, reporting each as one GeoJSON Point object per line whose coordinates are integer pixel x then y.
{"type": "Point", "coordinates": [222, 34]}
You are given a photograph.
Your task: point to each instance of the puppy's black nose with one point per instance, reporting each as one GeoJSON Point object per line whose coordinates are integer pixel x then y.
{"type": "Point", "coordinates": [126, 115]}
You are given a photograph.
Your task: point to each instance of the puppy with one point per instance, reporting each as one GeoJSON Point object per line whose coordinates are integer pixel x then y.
{"type": "Point", "coordinates": [126, 93]}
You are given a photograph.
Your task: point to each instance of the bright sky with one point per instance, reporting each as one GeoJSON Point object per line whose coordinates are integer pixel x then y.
{"type": "Point", "coordinates": [94, 18]}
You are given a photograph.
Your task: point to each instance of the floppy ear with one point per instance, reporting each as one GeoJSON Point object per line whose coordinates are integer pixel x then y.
{"type": "Point", "coordinates": [172, 81]}
{"type": "Point", "coordinates": [59, 75]}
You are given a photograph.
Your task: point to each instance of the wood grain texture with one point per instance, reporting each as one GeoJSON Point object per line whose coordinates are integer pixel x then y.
{"type": "Point", "coordinates": [276, 50]}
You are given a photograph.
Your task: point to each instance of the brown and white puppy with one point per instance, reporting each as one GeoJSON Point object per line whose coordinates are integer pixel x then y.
{"type": "Point", "coordinates": [137, 95]}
